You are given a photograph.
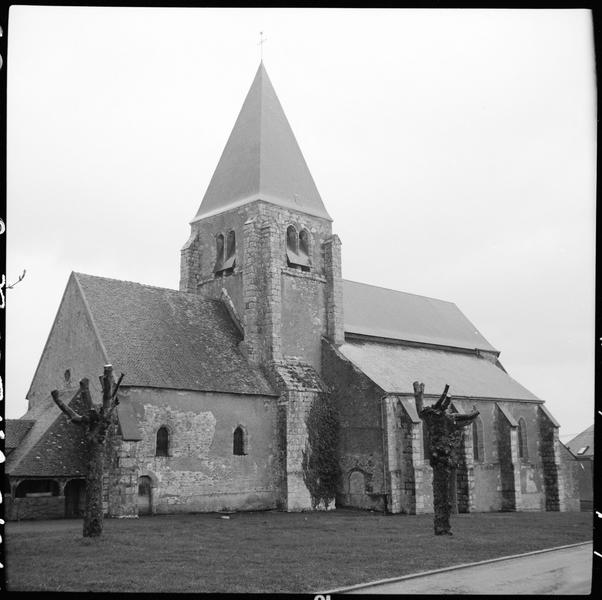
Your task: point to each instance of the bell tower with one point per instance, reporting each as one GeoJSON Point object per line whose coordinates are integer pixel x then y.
{"type": "Point", "coordinates": [262, 239]}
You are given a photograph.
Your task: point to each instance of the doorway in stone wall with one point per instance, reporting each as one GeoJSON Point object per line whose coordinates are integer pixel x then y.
{"type": "Point", "coordinates": [75, 498]}
{"type": "Point", "coordinates": [144, 495]}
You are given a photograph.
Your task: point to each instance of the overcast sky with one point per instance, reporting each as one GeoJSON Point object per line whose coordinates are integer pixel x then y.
{"type": "Point", "coordinates": [454, 149]}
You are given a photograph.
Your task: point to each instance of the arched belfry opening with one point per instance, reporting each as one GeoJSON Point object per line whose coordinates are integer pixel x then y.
{"type": "Point", "coordinates": [225, 253]}
{"type": "Point", "coordinates": [297, 248]}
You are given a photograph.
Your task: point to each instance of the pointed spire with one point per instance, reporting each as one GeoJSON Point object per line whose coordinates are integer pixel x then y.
{"type": "Point", "coordinates": [262, 160]}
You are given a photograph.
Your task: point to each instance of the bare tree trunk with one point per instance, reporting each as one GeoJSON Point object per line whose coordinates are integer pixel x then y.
{"type": "Point", "coordinates": [441, 499]}
{"type": "Point", "coordinates": [93, 513]}
{"type": "Point", "coordinates": [96, 421]}
{"type": "Point", "coordinates": [444, 438]}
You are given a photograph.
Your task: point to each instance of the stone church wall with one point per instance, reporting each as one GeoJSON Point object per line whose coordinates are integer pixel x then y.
{"type": "Point", "coordinates": [303, 315]}
{"type": "Point", "coordinates": [363, 483]}
{"type": "Point", "coordinates": [282, 309]}
{"type": "Point", "coordinates": [200, 473]}
{"type": "Point", "coordinates": [577, 479]}
{"type": "Point", "coordinates": [72, 345]}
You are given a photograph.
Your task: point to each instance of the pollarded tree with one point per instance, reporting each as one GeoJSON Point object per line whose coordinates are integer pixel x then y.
{"type": "Point", "coordinates": [444, 436]}
{"type": "Point", "coordinates": [96, 421]}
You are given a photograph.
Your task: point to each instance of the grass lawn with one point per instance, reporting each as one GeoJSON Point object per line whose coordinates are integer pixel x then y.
{"type": "Point", "coordinates": [267, 551]}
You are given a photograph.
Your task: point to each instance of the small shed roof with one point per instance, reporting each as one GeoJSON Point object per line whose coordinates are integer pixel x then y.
{"type": "Point", "coordinates": [53, 446]}
{"type": "Point", "coordinates": [582, 445]}
{"type": "Point", "coordinates": [380, 312]}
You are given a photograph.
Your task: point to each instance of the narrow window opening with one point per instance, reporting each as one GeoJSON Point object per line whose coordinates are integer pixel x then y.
{"type": "Point", "coordinates": [219, 254]}
{"type": "Point", "coordinates": [162, 442]}
{"type": "Point", "coordinates": [477, 440]}
{"type": "Point", "coordinates": [238, 442]}
{"type": "Point", "coordinates": [522, 440]}
{"type": "Point", "coordinates": [304, 249]}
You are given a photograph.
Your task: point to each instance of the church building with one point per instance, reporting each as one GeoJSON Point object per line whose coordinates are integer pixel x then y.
{"type": "Point", "coordinates": [220, 375]}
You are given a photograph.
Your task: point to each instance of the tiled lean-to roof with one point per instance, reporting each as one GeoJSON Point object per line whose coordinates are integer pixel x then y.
{"type": "Point", "coordinates": [262, 160]}
{"type": "Point", "coordinates": [52, 445]}
{"type": "Point", "coordinates": [16, 430]}
{"type": "Point", "coordinates": [379, 312]}
{"type": "Point", "coordinates": [169, 339]}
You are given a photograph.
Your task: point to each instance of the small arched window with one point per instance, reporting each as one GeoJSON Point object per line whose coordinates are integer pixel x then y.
{"type": "Point", "coordinates": [477, 440]}
{"type": "Point", "coordinates": [239, 442]}
{"type": "Point", "coordinates": [162, 442]}
{"type": "Point", "coordinates": [522, 440]}
{"type": "Point", "coordinates": [297, 248]}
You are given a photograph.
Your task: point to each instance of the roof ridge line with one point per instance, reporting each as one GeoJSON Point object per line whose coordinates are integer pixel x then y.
{"type": "Point", "coordinates": [380, 287]}
{"type": "Point", "coordinates": [146, 285]}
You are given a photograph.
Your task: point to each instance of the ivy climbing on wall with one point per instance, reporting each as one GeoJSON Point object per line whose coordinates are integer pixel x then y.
{"type": "Point", "coordinates": [320, 462]}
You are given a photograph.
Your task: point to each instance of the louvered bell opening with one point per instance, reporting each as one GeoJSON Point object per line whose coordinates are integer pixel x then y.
{"type": "Point", "coordinates": [229, 263]}
{"type": "Point", "coordinates": [296, 259]}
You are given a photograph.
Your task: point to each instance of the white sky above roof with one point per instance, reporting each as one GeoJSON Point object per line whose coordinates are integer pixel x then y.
{"type": "Point", "coordinates": [454, 149]}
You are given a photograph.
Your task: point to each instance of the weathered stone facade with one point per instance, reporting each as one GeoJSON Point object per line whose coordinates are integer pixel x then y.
{"type": "Point", "coordinates": [261, 289]}
{"type": "Point", "coordinates": [200, 472]}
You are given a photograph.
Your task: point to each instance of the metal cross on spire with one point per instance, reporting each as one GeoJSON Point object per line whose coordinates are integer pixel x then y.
{"type": "Point", "coordinates": [261, 42]}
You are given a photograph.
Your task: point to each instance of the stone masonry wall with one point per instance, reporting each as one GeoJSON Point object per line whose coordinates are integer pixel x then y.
{"type": "Point", "coordinates": [361, 433]}
{"type": "Point", "coordinates": [303, 316]}
{"type": "Point", "coordinates": [577, 480]}
{"type": "Point", "coordinates": [269, 306]}
{"type": "Point", "coordinates": [75, 348]}
{"type": "Point", "coordinates": [549, 451]}
{"type": "Point", "coordinates": [334, 305]}
{"type": "Point", "coordinates": [200, 473]}
{"type": "Point", "coordinates": [405, 458]}
{"type": "Point", "coordinates": [508, 458]}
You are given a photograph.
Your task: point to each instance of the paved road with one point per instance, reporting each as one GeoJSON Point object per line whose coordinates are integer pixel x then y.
{"type": "Point", "coordinates": [564, 571]}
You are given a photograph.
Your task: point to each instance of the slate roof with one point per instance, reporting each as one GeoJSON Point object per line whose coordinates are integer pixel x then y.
{"type": "Point", "coordinates": [297, 375]}
{"type": "Point", "coordinates": [584, 440]}
{"type": "Point", "coordinates": [53, 446]}
{"type": "Point", "coordinates": [262, 160]}
{"type": "Point", "coordinates": [380, 312]}
{"type": "Point", "coordinates": [16, 429]}
{"type": "Point", "coordinates": [394, 368]}
{"type": "Point", "coordinates": [169, 339]}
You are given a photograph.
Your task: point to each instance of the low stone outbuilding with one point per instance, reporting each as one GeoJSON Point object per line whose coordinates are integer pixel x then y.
{"type": "Point", "coordinates": [582, 449]}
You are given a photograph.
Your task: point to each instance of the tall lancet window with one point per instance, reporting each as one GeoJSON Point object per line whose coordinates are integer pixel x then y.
{"type": "Point", "coordinates": [477, 441]}
{"type": "Point", "coordinates": [162, 448]}
{"type": "Point", "coordinates": [297, 248]}
{"type": "Point", "coordinates": [523, 453]}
